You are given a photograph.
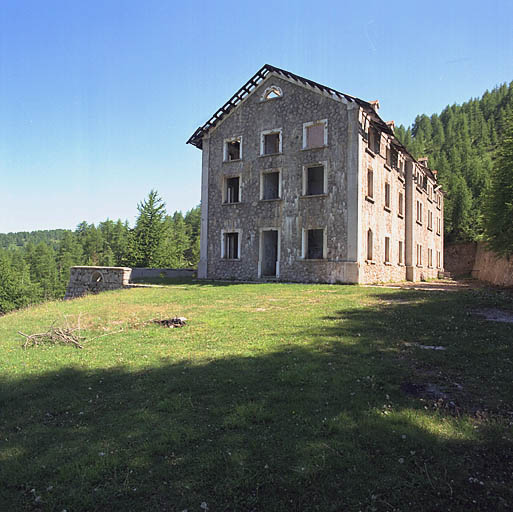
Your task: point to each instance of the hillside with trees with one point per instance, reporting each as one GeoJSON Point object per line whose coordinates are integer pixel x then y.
{"type": "Point", "coordinates": [462, 143]}
{"type": "Point", "coordinates": [34, 266]}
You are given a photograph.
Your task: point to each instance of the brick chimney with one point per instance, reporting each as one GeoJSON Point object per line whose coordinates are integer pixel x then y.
{"type": "Point", "coordinates": [423, 161]}
{"type": "Point", "coordinates": [375, 105]}
{"type": "Point", "coordinates": [391, 125]}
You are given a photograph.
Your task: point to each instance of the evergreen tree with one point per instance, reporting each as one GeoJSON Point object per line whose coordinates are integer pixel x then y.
{"type": "Point", "coordinates": [150, 232]}
{"type": "Point", "coordinates": [498, 207]}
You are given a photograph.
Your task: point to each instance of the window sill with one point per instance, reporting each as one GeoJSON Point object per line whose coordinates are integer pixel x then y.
{"type": "Point", "coordinates": [271, 154]}
{"type": "Point", "coordinates": [370, 152]}
{"type": "Point", "coordinates": [419, 189]}
{"type": "Point", "coordinates": [388, 264]}
{"type": "Point", "coordinates": [430, 229]}
{"type": "Point", "coordinates": [388, 168]}
{"type": "Point", "coordinates": [370, 199]}
{"type": "Point", "coordinates": [420, 266]}
{"type": "Point", "coordinates": [231, 204]}
{"type": "Point", "coordinates": [400, 215]}
{"type": "Point", "coordinates": [315, 147]}
{"type": "Point", "coordinates": [400, 177]}
{"type": "Point", "coordinates": [272, 199]}
{"type": "Point", "coordinates": [370, 262]}
{"type": "Point", "coordinates": [400, 264]}
{"type": "Point", "coordinates": [230, 259]}
{"type": "Point", "coordinates": [430, 200]}
{"type": "Point", "coordinates": [313, 259]}
{"type": "Point", "coordinates": [313, 195]}
{"type": "Point", "coordinates": [438, 234]}
{"type": "Point", "coordinates": [419, 223]}
{"type": "Point", "coordinates": [234, 160]}
{"type": "Point", "coordinates": [438, 207]}
{"type": "Point", "coordinates": [430, 266]}
{"type": "Point", "coordinates": [387, 209]}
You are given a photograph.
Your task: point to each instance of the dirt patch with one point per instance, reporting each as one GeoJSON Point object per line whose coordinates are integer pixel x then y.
{"type": "Point", "coordinates": [494, 315]}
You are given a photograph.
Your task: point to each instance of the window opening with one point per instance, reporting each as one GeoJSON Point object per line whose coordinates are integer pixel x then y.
{"type": "Point", "coordinates": [374, 139]}
{"type": "Point", "coordinates": [315, 135]}
{"type": "Point", "coordinates": [271, 185]}
{"type": "Point", "coordinates": [231, 246]}
{"type": "Point", "coordinates": [315, 180]}
{"type": "Point", "coordinates": [370, 184]}
{"type": "Point", "coordinates": [271, 143]}
{"type": "Point", "coordinates": [387, 249]}
{"type": "Point", "coordinates": [272, 92]}
{"type": "Point", "coordinates": [233, 148]}
{"type": "Point", "coordinates": [387, 195]}
{"type": "Point", "coordinates": [232, 190]}
{"type": "Point", "coordinates": [369, 244]}
{"type": "Point", "coordinates": [315, 244]}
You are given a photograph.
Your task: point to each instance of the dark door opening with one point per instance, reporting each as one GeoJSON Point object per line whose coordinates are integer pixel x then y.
{"type": "Point", "coordinates": [269, 253]}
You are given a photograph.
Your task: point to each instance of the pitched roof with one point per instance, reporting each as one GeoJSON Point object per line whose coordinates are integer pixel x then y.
{"type": "Point", "coordinates": [196, 139]}
{"type": "Point", "coordinates": [251, 84]}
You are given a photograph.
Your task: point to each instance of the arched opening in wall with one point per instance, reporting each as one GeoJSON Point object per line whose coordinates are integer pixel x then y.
{"type": "Point", "coordinates": [271, 93]}
{"type": "Point", "coordinates": [96, 278]}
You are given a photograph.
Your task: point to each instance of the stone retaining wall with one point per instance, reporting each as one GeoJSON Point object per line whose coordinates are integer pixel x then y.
{"type": "Point", "coordinates": [492, 268]}
{"type": "Point", "coordinates": [85, 280]}
{"type": "Point", "coordinates": [459, 258]}
{"type": "Point", "coordinates": [151, 273]}
{"type": "Point", "coordinates": [482, 263]}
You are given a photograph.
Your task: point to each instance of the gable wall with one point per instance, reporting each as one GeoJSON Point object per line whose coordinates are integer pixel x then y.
{"type": "Point", "coordinates": [292, 213]}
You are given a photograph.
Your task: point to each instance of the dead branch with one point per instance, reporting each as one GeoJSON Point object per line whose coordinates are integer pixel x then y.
{"type": "Point", "coordinates": [54, 335]}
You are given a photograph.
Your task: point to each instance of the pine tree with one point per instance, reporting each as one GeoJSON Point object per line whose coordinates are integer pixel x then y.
{"type": "Point", "coordinates": [150, 232]}
{"type": "Point", "coordinates": [498, 208]}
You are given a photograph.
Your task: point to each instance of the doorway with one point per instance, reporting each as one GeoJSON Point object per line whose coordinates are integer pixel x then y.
{"type": "Point", "coordinates": [269, 253]}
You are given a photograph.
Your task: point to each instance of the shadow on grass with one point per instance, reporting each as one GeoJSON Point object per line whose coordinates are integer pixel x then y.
{"type": "Point", "coordinates": [317, 427]}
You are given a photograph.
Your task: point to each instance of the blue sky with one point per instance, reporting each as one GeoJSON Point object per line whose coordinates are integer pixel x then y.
{"type": "Point", "coordinates": [97, 98]}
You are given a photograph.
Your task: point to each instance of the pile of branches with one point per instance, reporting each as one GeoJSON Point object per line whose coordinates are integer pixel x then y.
{"type": "Point", "coordinates": [65, 335]}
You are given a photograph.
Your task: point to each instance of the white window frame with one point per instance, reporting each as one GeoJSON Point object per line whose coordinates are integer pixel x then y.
{"type": "Point", "coordinates": [313, 123]}
{"type": "Point", "coordinates": [225, 148]}
{"type": "Point", "coordinates": [304, 243]}
{"type": "Point", "coordinates": [305, 178]}
{"type": "Point", "coordinates": [225, 180]}
{"type": "Point", "coordinates": [270, 171]}
{"type": "Point", "coordinates": [239, 245]}
{"type": "Point", "coordinates": [261, 248]}
{"type": "Point", "coordinates": [279, 131]}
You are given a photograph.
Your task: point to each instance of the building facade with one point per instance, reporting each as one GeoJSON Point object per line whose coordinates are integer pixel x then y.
{"type": "Point", "coordinates": [303, 183]}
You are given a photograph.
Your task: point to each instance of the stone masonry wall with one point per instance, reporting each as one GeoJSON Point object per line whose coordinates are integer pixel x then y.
{"type": "Point", "coordinates": [384, 222]}
{"type": "Point", "coordinates": [293, 212]}
{"type": "Point", "coordinates": [492, 268]}
{"type": "Point", "coordinates": [85, 280]}
{"type": "Point", "coordinates": [460, 258]}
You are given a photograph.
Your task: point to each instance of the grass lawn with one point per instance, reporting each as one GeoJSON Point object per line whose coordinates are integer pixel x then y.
{"type": "Point", "coordinates": [274, 397]}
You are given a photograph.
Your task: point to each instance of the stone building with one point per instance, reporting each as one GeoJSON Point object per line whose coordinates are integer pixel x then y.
{"type": "Point", "coordinates": [303, 183]}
